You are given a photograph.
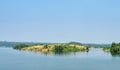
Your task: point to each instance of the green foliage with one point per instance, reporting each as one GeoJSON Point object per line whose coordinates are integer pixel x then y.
{"type": "Point", "coordinates": [58, 49]}
{"type": "Point", "coordinates": [106, 49]}
{"type": "Point", "coordinates": [113, 44]}
{"type": "Point", "coordinates": [67, 48]}
{"type": "Point", "coordinates": [45, 46]}
{"type": "Point", "coordinates": [71, 49]}
{"type": "Point", "coordinates": [55, 48]}
{"type": "Point", "coordinates": [20, 46]}
{"type": "Point", "coordinates": [115, 49]}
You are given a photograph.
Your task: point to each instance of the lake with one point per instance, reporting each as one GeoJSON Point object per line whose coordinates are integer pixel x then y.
{"type": "Point", "coordinates": [95, 59]}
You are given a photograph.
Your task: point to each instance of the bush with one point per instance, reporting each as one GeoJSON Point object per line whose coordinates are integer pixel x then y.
{"type": "Point", "coordinates": [58, 49]}
{"type": "Point", "coordinates": [115, 49]}
{"type": "Point", "coordinates": [20, 46]}
{"type": "Point", "coordinates": [45, 46]}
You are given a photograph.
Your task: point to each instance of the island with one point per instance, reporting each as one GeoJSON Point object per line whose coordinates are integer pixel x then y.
{"type": "Point", "coordinates": [53, 48]}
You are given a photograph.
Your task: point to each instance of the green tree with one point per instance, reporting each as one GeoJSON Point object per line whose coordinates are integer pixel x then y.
{"type": "Point", "coordinates": [113, 44]}
{"type": "Point", "coordinates": [20, 46]}
{"type": "Point", "coordinates": [45, 46]}
{"type": "Point", "coordinates": [115, 49]}
{"type": "Point", "coordinates": [58, 49]}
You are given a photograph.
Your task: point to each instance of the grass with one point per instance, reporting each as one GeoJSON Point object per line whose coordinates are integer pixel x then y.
{"type": "Point", "coordinates": [106, 49]}
{"type": "Point", "coordinates": [56, 48]}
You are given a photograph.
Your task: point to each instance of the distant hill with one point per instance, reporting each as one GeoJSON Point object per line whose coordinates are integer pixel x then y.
{"type": "Point", "coordinates": [97, 45]}
{"type": "Point", "coordinates": [91, 45]}
{"type": "Point", "coordinates": [75, 43]}
{"type": "Point", "coordinates": [12, 44]}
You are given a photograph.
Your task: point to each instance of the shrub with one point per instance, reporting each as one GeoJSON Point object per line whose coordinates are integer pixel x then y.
{"type": "Point", "coordinates": [20, 46]}
{"type": "Point", "coordinates": [115, 49]}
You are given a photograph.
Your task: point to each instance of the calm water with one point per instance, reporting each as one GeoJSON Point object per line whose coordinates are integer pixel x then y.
{"type": "Point", "coordinates": [96, 59]}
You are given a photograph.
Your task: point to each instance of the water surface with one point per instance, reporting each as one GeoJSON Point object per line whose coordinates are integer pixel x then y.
{"type": "Point", "coordinates": [96, 59]}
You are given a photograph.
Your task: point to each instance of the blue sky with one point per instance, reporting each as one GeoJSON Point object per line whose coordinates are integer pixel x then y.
{"type": "Point", "coordinates": [86, 21]}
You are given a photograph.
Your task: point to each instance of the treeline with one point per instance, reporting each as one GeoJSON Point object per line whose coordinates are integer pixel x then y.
{"type": "Point", "coordinates": [12, 44]}
{"type": "Point", "coordinates": [97, 45]}
{"type": "Point", "coordinates": [19, 46]}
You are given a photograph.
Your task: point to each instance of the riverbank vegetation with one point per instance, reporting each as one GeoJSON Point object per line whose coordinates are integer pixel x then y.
{"type": "Point", "coordinates": [114, 49]}
{"type": "Point", "coordinates": [20, 46]}
{"type": "Point", "coordinates": [106, 49]}
{"type": "Point", "coordinates": [54, 48]}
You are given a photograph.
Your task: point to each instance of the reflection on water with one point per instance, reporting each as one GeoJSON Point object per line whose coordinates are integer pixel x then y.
{"type": "Point", "coordinates": [94, 52]}
{"type": "Point", "coordinates": [56, 53]}
{"type": "Point", "coordinates": [95, 59]}
{"type": "Point", "coordinates": [115, 55]}
{"type": "Point", "coordinates": [59, 53]}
